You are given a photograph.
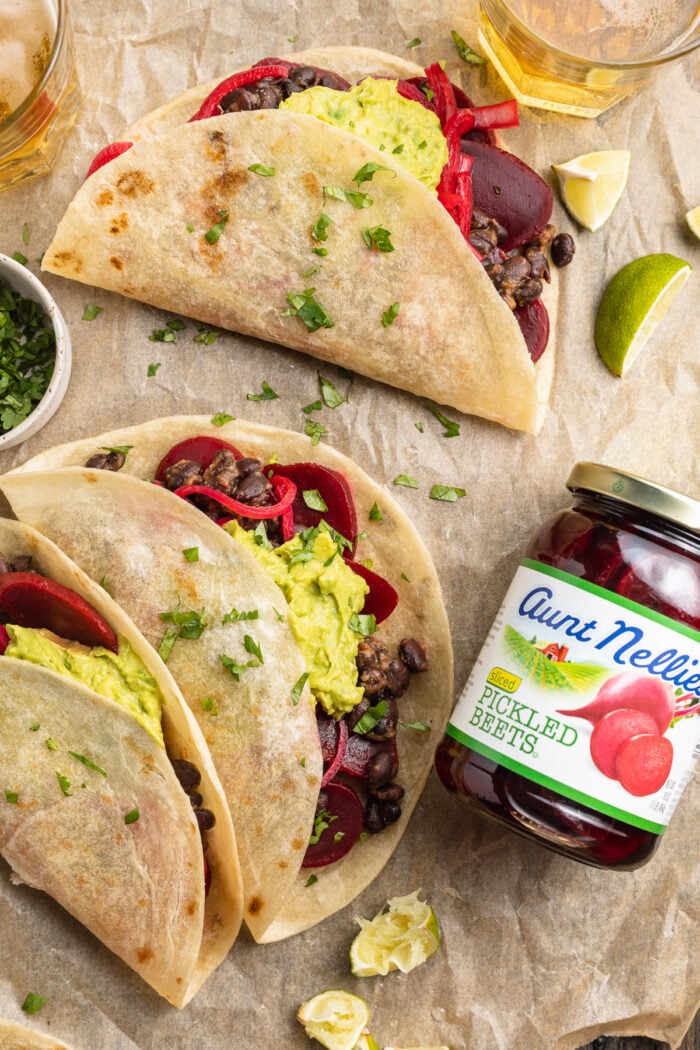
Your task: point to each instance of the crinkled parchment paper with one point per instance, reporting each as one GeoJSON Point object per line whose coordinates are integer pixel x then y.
{"type": "Point", "coordinates": [538, 952]}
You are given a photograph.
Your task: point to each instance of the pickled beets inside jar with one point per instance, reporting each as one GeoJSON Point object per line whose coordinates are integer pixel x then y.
{"type": "Point", "coordinates": [580, 721]}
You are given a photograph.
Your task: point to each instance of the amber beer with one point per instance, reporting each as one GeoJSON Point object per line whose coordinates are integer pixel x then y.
{"type": "Point", "coordinates": [582, 56]}
{"type": "Point", "coordinates": [38, 86]}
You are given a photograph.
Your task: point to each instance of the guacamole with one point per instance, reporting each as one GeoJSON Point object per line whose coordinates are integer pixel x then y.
{"type": "Point", "coordinates": [374, 111]}
{"type": "Point", "coordinates": [120, 677]}
{"type": "Point", "coordinates": [322, 594]}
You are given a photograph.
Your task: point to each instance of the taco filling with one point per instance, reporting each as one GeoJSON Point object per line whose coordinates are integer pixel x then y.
{"type": "Point", "coordinates": [299, 521]}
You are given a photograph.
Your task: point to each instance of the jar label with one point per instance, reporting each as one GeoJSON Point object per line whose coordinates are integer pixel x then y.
{"type": "Point", "coordinates": [587, 693]}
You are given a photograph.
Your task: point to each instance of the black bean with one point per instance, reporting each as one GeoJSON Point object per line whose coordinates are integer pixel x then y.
{"type": "Point", "coordinates": [390, 812]}
{"type": "Point", "coordinates": [562, 249]}
{"type": "Point", "coordinates": [239, 100]}
{"type": "Point", "coordinates": [380, 770]}
{"type": "Point", "coordinates": [269, 94]}
{"type": "Point", "coordinates": [397, 678]}
{"type": "Point", "coordinates": [248, 465]}
{"type": "Point", "coordinates": [413, 654]}
{"type": "Point", "coordinates": [479, 239]}
{"type": "Point", "coordinates": [195, 799]}
{"type": "Point", "coordinates": [329, 81]}
{"type": "Point", "coordinates": [388, 793]}
{"type": "Point", "coordinates": [373, 816]}
{"type": "Point", "coordinates": [372, 681]}
{"type": "Point", "coordinates": [251, 487]}
{"type": "Point", "coordinates": [527, 291]}
{"type": "Point", "coordinates": [517, 269]}
{"type": "Point", "coordinates": [205, 819]}
{"type": "Point", "coordinates": [303, 76]}
{"type": "Point", "coordinates": [187, 773]}
{"type": "Point", "coordinates": [184, 472]}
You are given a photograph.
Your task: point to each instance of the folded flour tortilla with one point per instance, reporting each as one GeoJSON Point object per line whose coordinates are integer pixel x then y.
{"type": "Point", "coordinates": [139, 887]}
{"type": "Point", "coordinates": [138, 227]}
{"type": "Point", "coordinates": [131, 533]}
{"type": "Point", "coordinates": [15, 1036]}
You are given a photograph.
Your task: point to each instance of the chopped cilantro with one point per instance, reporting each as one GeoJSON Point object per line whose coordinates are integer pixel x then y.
{"type": "Point", "coordinates": [34, 727]}
{"type": "Point", "coordinates": [390, 315]}
{"type": "Point", "coordinates": [354, 197]}
{"type": "Point", "coordinates": [207, 336]}
{"type": "Point", "coordinates": [315, 430]}
{"type": "Point", "coordinates": [370, 718]}
{"type": "Point", "coordinates": [399, 148]}
{"type": "Point", "coordinates": [234, 667]}
{"type": "Point", "coordinates": [11, 796]}
{"type": "Point", "coordinates": [51, 744]}
{"type": "Point", "coordinates": [191, 623]}
{"type": "Point", "coordinates": [378, 237]}
{"type": "Point", "coordinates": [451, 428]}
{"type": "Point", "coordinates": [191, 554]}
{"type": "Point", "coordinates": [88, 762]}
{"type": "Point", "coordinates": [152, 369]}
{"type": "Point", "coordinates": [268, 394]}
{"type": "Point", "coordinates": [312, 879]}
{"type": "Point", "coordinates": [132, 816]}
{"type": "Point", "coordinates": [308, 309]}
{"type": "Point", "coordinates": [375, 514]}
{"type": "Point", "coordinates": [415, 42]}
{"type": "Point", "coordinates": [314, 500]}
{"type": "Point", "coordinates": [320, 251]}
{"type": "Point", "coordinates": [25, 233]}
{"type": "Point", "coordinates": [419, 427]}
{"type": "Point", "coordinates": [315, 406]}
{"type": "Point", "coordinates": [91, 312]}
{"type": "Point", "coordinates": [167, 642]}
{"type": "Point", "coordinates": [260, 536]}
{"type": "Point", "coordinates": [447, 493]}
{"type": "Point", "coordinates": [27, 355]}
{"type": "Point", "coordinates": [262, 169]}
{"type": "Point", "coordinates": [421, 727]}
{"type": "Point", "coordinates": [331, 397]}
{"type": "Point", "coordinates": [220, 418]}
{"type": "Point", "coordinates": [63, 783]}
{"type": "Point", "coordinates": [33, 1003]}
{"type": "Point", "coordinates": [319, 231]}
{"type": "Point", "coordinates": [366, 173]}
{"type": "Point", "coordinates": [218, 228]}
{"type": "Point", "coordinates": [20, 258]}
{"type": "Point", "coordinates": [406, 480]}
{"type": "Point", "coordinates": [234, 616]}
{"type": "Point", "coordinates": [362, 624]}
{"type": "Point", "coordinates": [298, 688]}
{"type": "Point", "coordinates": [466, 52]}
{"type": "Point", "coordinates": [322, 820]}
{"type": "Point", "coordinates": [167, 334]}
{"type": "Point", "coordinates": [209, 705]}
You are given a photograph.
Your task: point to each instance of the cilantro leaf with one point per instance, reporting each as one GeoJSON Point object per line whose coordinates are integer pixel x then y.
{"type": "Point", "coordinates": [306, 307]}
{"type": "Point", "coordinates": [132, 816]}
{"type": "Point", "coordinates": [451, 428]}
{"type": "Point", "coordinates": [221, 418]}
{"type": "Point", "coordinates": [27, 356]}
{"type": "Point", "coordinates": [315, 431]}
{"type": "Point", "coordinates": [367, 171]}
{"type": "Point", "coordinates": [212, 235]}
{"type": "Point", "coordinates": [390, 315]}
{"type": "Point", "coordinates": [91, 312]}
{"type": "Point", "coordinates": [370, 718]}
{"type": "Point", "coordinates": [446, 493]}
{"type": "Point", "coordinates": [268, 394]}
{"type": "Point", "coordinates": [331, 397]}
{"type": "Point", "coordinates": [33, 1003]}
{"type": "Point", "coordinates": [466, 52]}
{"type": "Point", "coordinates": [378, 237]}
{"type": "Point", "coordinates": [406, 480]}
{"type": "Point", "coordinates": [319, 230]}
{"type": "Point", "coordinates": [262, 169]}
{"type": "Point", "coordinates": [314, 500]}
{"type": "Point", "coordinates": [375, 514]}
{"type": "Point", "coordinates": [354, 197]}
{"type": "Point", "coordinates": [298, 688]}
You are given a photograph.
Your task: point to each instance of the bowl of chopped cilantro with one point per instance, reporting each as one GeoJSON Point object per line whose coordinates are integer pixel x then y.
{"type": "Point", "coordinates": [35, 354]}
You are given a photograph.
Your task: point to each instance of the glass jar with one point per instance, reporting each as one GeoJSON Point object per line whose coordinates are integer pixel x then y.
{"type": "Point", "coordinates": [579, 724]}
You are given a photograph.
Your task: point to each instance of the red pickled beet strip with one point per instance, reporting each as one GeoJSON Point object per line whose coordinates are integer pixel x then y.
{"type": "Point", "coordinates": [200, 449]}
{"type": "Point", "coordinates": [498, 115]}
{"type": "Point", "coordinates": [334, 490]}
{"type": "Point", "coordinates": [4, 639]}
{"type": "Point", "coordinates": [107, 153]}
{"type": "Point", "coordinates": [207, 875]}
{"type": "Point", "coordinates": [31, 600]}
{"type": "Point", "coordinates": [409, 89]}
{"type": "Point", "coordinates": [443, 100]}
{"type": "Point", "coordinates": [534, 324]}
{"type": "Point", "coordinates": [210, 106]}
{"type": "Point", "coordinates": [337, 760]}
{"type": "Point", "coordinates": [343, 830]}
{"type": "Point", "coordinates": [510, 192]}
{"type": "Point", "coordinates": [285, 490]}
{"type": "Point", "coordinates": [328, 735]}
{"type": "Point", "coordinates": [359, 751]}
{"type": "Point", "coordinates": [382, 599]}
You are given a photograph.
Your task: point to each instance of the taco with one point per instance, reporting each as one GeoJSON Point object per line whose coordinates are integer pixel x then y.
{"type": "Point", "coordinates": [371, 642]}
{"type": "Point", "coordinates": [110, 802]}
{"type": "Point", "coordinates": [409, 248]}
{"type": "Point", "coordinates": [15, 1036]}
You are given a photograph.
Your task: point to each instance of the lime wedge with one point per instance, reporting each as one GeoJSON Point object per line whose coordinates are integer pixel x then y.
{"type": "Point", "coordinates": [400, 937]}
{"type": "Point", "coordinates": [367, 1042]}
{"type": "Point", "coordinates": [692, 217]}
{"type": "Point", "coordinates": [336, 1019]}
{"type": "Point", "coordinates": [416, 1048]}
{"type": "Point", "coordinates": [632, 306]}
{"type": "Point", "coordinates": [592, 184]}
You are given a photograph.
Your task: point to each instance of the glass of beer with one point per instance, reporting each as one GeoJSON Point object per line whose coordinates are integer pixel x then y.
{"type": "Point", "coordinates": [582, 56]}
{"type": "Point", "coordinates": [39, 92]}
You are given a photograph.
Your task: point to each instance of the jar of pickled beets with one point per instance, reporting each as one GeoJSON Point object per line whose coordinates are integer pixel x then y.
{"type": "Point", "coordinates": [579, 724]}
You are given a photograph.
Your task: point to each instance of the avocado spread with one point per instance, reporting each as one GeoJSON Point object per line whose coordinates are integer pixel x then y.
{"type": "Point", "coordinates": [120, 677]}
{"type": "Point", "coordinates": [322, 594]}
{"type": "Point", "coordinates": [374, 111]}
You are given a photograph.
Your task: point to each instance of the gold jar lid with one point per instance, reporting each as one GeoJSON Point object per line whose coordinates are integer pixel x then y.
{"type": "Point", "coordinates": [636, 492]}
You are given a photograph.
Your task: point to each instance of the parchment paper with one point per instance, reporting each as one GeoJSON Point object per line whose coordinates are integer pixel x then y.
{"type": "Point", "coordinates": [537, 951]}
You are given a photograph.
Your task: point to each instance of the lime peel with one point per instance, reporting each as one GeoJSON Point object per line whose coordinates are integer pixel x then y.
{"type": "Point", "coordinates": [335, 1018]}
{"type": "Point", "coordinates": [632, 306]}
{"type": "Point", "coordinates": [592, 184]}
{"type": "Point", "coordinates": [400, 937]}
{"type": "Point", "coordinates": [692, 217]}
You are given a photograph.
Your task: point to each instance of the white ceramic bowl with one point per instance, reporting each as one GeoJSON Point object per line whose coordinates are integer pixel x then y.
{"type": "Point", "coordinates": [22, 281]}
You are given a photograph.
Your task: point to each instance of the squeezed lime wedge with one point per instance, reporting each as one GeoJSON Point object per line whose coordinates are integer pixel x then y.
{"type": "Point", "coordinates": [592, 184]}
{"type": "Point", "coordinates": [400, 937]}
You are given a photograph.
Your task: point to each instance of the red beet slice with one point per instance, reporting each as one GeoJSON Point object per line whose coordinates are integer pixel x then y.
{"type": "Point", "coordinates": [4, 639]}
{"type": "Point", "coordinates": [328, 735]}
{"type": "Point", "coordinates": [644, 763]}
{"type": "Point", "coordinates": [534, 324]}
{"type": "Point", "coordinates": [381, 599]}
{"type": "Point", "coordinates": [337, 760]}
{"type": "Point", "coordinates": [31, 600]}
{"type": "Point", "coordinates": [613, 731]}
{"type": "Point", "coordinates": [506, 189]}
{"type": "Point", "coordinates": [334, 490]}
{"type": "Point", "coordinates": [200, 449]}
{"type": "Point", "coordinates": [343, 831]}
{"type": "Point", "coordinates": [359, 751]}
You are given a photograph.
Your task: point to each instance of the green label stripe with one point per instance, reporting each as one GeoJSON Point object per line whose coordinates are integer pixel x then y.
{"type": "Point", "coordinates": [616, 599]}
{"type": "Point", "coordinates": [554, 785]}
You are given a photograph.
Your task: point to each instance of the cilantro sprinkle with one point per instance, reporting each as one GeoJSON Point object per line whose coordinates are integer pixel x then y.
{"type": "Point", "coordinates": [88, 762]}
{"type": "Point", "coordinates": [268, 394]}
{"type": "Point", "coordinates": [466, 52]}
{"type": "Point", "coordinates": [308, 309]}
{"type": "Point", "coordinates": [221, 418]}
{"type": "Point", "coordinates": [366, 173]}
{"type": "Point", "coordinates": [11, 796]}
{"type": "Point", "coordinates": [446, 493]}
{"type": "Point", "coordinates": [298, 688]}
{"type": "Point", "coordinates": [415, 42]}
{"type": "Point", "coordinates": [153, 368]}
{"type": "Point", "coordinates": [91, 312]}
{"type": "Point", "coordinates": [33, 1003]}
{"type": "Point", "coordinates": [390, 315]}
{"type": "Point", "coordinates": [406, 480]}
{"type": "Point", "coordinates": [451, 428]}
{"type": "Point", "coordinates": [262, 169]}
{"type": "Point", "coordinates": [218, 228]}
{"type": "Point", "coordinates": [132, 816]}
{"type": "Point", "coordinates": [191, 554]}
{"type": "Point", "coordinates": [331, 397]}
{"type": "Point", "coordinates": [375, 514]}
{"type": "Point", "coordinates": [27, 355]}
{"type": "Point", "coordinates": [358, 200]}
{"type": "Point", "coordinates": [378, 237]}
{"type": "Point", "coordinates": [314, 500]}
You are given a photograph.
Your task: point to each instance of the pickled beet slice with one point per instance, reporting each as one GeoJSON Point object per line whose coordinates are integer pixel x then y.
{"type": "Point", "coordinates": [334, 490]}
{"type": "Point", "coordinates": [337, 760]}
{"type": "Point", "coordinates": [200, 449]}
{"type": "Point", "coordinates": [382, 599]}
{"type": "Point", "coordinates": [507, 190]}
{"type": "Point", "coordinates": [534, 324]}
{"type": "Point", "coordinates": [344, 826]}
{"type": "Point", "coordinates": [31, 600]}
{"type": "Point", "coordinates": [4, 639]}
{"type": "Point", "coordinates": [328, 735]}
{"type": "Point", "coordinates": [360, 749]}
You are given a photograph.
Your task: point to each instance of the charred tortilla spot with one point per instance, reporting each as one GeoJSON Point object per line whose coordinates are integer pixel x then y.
{"type": "Point", "coordinates": [135, 184]}
{"type": "Point", "coordinates": [216, 146]}
{"type": "Point", "coordinates": [144, 954]}
{"type": "Point", "coordinates": [299, 844]}
{"type": "Point", "coordinates": [116, 262]}
{"type": "Point", "coordinates": [67, 261]}
{"type": "Point", "coordinates": [104, 199]}
{"type": "Point", "coordinates": [255, 906]}
{"type": "Point", "coordinates": [119, 223]}
{"type": "Point", "coordinates": [191, 908]}
{"type": "Point", "coordinates": [311, 184]}
{"type": "Point", "coordinates": [282, 865]}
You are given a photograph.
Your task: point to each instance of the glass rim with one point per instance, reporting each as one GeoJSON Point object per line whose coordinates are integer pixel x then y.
{"type": "Point", "coordinates": [25, 106]}
{"type": "Point", "coordinates": [566, 56]}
